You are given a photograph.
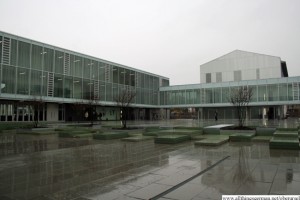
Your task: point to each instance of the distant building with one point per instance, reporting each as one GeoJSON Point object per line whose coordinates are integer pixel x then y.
{"type": "Point", "coordinates": [242, 65]}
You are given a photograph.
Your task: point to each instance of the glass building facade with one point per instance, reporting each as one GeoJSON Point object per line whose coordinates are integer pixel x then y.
{"type": "Point", "coordinates": [60, 77]}
{"type": "Point", "coordinates": [270, 91]}
{"type": "Point", "coordinates": [31, 69]}
{"type": "Point", "coordinates": [269, 95]}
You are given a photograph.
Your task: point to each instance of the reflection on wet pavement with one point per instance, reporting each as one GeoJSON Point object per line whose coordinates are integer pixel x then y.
{"type": "Point", "coordinates": [48, 167]}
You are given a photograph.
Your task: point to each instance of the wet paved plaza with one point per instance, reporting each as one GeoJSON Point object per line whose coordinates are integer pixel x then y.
{"type": "Point", "coordinates": [48, 167]}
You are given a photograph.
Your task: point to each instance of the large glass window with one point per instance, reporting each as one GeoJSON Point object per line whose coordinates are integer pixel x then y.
{"type": "Point", "coordinates": [147, 97]}
{"type": "Point", "coordinates": [13, 52]}
{"type": "Point", "coordinates": [122, 76]}
{"type": "Point", "coordinates": [108, 73]}
{"type": "Point", "coordinates": [169, 98]}
{"type": "Point", "coordinates": [0, 49]}
{"type": "Point", "coordinates": [76, 64]}
{"type": "Point", "coordinates": [156, 83]}
{"type": "Point", "coordinates": [290, 92]}
{"type": "Point", "coordinates": [202, 96]}
{"type": "Point", "coordinates": [108, 90]}
{"type": "Point", "coordinates": [23, 81]}
{"type": "Point", "coordinates": [115, 75]}
{"type": "Point", "coordinates": [116, 91]}
{"type": "Point", "coordinates": [44, 83]}
{"type": "Point", "coordinates": [48, 59]}
{"type": "Point", "coordinates": [59, 62]}
{"type": "Point", "coordinates": [225, 95]}
{"type": "Point", "coordinates": [68, 87]}
{"type": "Point", "coordinates": [282, 92]}
{"type": "Point", "coordinates": [102, 71]}
{"type": "Point", "coordinates": [209, 95]}
{"type": "Point", "coordinates": [77, 85]}
{"type": "Point", "coordinates": [142, 79]}
{"type": "Point", "coordinates": [254, 93]}
{"type": "Point", "coordinates": [151, 82]}
{"type": "Point", "coordinates": [95, 68]}
{"type": "Point", "coordinates": [58, 85]}
{"type": "Point", "coordinates": [8, 79]}
{"type": "Point", "coordinates": [217, 95]}
{"type": "Point", "coordinates": [262, 93]}
{"type": "Point", "coordinates": [147, 83]}
{"type": "Point", "coordinates": [87, 89]}
{"type": "Point", "coordinates": [273, 92]}
{"type": "Point", "coordinates": [139, 96]}
{"type": "Point", "coordinates": [190, 96]}
{"type": "Point", "coordinates": [197, 100]}
{"type": "Point", "coordinates": [37, 54]}
{"type": "Point", "coordinates": [127, 76]}
{"type": "Point", "coordinates": [155, 98]}
{"type": "Point", "coordinates": [162, 98]}
{"type": "Point", "coordinates": [165, 82]}
{"type": "Point", "coordinates": [24, 54]}
{"type": "Point", "coordinates": [87, 68]}
{"type": "Point", "coordinates": [36, 82]}
{"type": "Point", "coordinates": [102, 90]}
{"type": "Point", "coordinates": [132, 78]}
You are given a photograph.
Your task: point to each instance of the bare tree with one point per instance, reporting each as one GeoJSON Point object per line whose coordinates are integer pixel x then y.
{"type": "Point", "coordinates": [240, 99]}
{"type": "Point", "coordinates": [124, 100]}
{"type": "Point", "coordinates": [37, 103]}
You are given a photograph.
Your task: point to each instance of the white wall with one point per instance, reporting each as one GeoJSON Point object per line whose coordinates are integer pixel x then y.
{"type": "Point", "coordinates": [52, 112]}
{"type": "Point", "coordinates": [247, 62]}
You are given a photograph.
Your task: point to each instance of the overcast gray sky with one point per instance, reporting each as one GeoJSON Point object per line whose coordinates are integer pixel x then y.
{"type": "Point", "coordinates": [166, 37]}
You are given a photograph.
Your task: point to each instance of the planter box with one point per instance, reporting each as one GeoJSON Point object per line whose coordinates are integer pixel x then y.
{"type": "Point", "coordinates": [230, 132]}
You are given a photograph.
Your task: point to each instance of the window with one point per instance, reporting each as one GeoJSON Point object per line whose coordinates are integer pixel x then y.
{"type": "Point", "coordinates": [35, 82]}
{"type": "Point", "coordinates": [37, 56]}
{"type": "Point", "coordinates": [58, 85]}
{"type": "Point", "coordinates": [87, 68]}
{"type": "Point", "coordinates": [22, 81]}
{"type": "Point", "coordinates": [237, 75]}
{"type": "Point", "coordinates": [208, 78]}
{"type": "Point", "coordinates": [48, 59]}
{"type": "Point", "coordinates": [76, 65]}
{"type": "Point", "coordinates": [8, 79]}
{"type": "Point", "coordinates": [24, 54]}
{"type": "Point", "coordinates": [257, 74]}
{"type": "Point", "coordinates": [0, 49]}
{"type": "Point", "coordinates": [219, 77]}
{"type": "Point", "coordinates": [165, 82]}
{"type": "Point", "coordinates": [59, 62]}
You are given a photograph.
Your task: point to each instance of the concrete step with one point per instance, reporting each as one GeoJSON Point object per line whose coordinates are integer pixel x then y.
{"type": "Point", "coordinates": [284, 143]}
{"type": "Point", "coordinates": [286, 134]}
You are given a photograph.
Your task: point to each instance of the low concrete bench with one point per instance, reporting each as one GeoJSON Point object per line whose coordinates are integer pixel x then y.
{"type": "Point", "coordinates": [211, 142]}
{"type": "Point", "coordinates": [110, 135]}
{"type": "Point", "coordinates": [137, 138]}
{"type": "Point", "coordinates": [212, 131]}
{"type": "Point", "coordinates": [262, 138]}
{"type": "Point", "coordinates": [75, 134]}
{"type": "Point", "coordinates": [171, 139]}
{"type": "Point", "coordinates": [284, 143]}
{"type": "Point", "coordinates": [284, 140]}
{"type": "Point", "coordinates": [265, 131]}
{"type": "Point", "coordinates": [243, 137]}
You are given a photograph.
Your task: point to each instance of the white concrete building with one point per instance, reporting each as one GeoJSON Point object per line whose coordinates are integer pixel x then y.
{"type": "Point", "coordinates": [242, 65]}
